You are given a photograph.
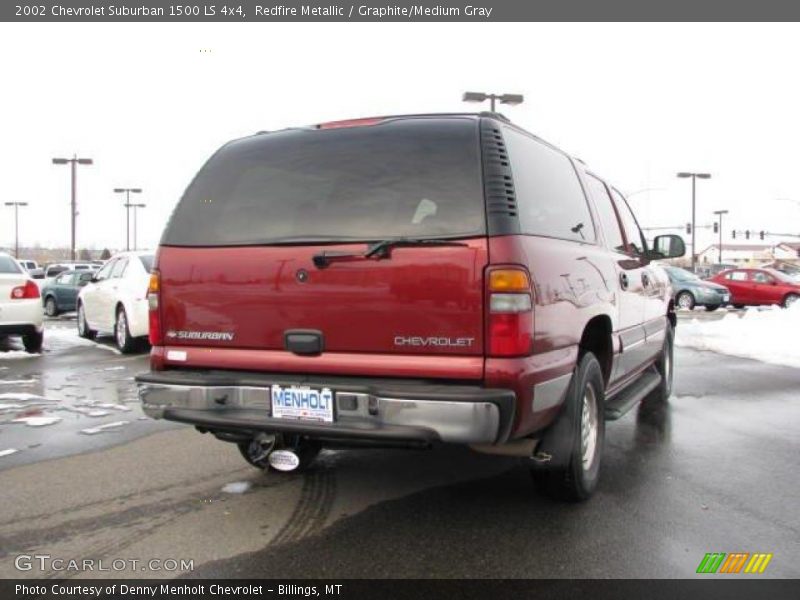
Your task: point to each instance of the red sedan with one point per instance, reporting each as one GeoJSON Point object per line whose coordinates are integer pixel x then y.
{"type": "Point", "coordinates": [759, 286]}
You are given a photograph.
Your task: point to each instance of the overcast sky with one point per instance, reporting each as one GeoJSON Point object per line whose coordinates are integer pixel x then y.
{"type": "Point", "coordinates": [637, 102]}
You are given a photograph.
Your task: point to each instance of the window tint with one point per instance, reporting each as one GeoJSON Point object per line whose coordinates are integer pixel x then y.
{"type": "Point", "coordinates": [737, 276]}
{"type": "Point", "coordinates": [633, 235]}
{"type": "Point", "coordinates": [761, 277]}
{"type": "Point", "coordinates": [606, 213]}
{"type": "Point", "coordinates": [549, 195]}
{"type": "Point", "coordinates": [119, 268]}
{"type": "Point", "coordinates": [409, 177]}
{"type": "Point", "coordinates": [9, 265]}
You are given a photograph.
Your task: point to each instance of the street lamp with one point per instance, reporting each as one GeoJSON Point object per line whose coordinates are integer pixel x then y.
{"type": "Point", "coordinates": [73, 162]}
{"type": "Point", "coordinates": [134, 207]}
{"type": "Point", "coordinates": [16, 206]}
{"type": "Point", "coordinates": [127, 192]}
{"type": "Point", "coordinates": [694, 176]}
{"type": "Point", "coordinates": [719, 213]}
{"type": "Point", "coordinates": [510, 99]}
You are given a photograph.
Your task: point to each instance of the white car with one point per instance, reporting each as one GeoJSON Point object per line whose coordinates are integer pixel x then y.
{"type": "Point", "coordinates": [115, 301]}
{"type": "Point", "coordinates": [20, 304]}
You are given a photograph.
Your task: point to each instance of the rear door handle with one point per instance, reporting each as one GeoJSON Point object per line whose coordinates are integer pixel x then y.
{"type": "Point", "coordinates": [623, 281]}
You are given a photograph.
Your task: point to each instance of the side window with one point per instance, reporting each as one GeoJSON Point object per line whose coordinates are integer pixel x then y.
{"type": "Point", "coordinates": [119, 268]}
{"type": "Point", "coordinates": [606, 213]}
{"type": "Point", "coordinates": [634, 241]}
{"type": "Point", "coordinates": [761, 277]}
{"type": "Point", "coordinates": [737, 276]}
{"type": "Point", "coordinates": [549, 195]}
{"type": "Point", "coordinates": [105, 272]}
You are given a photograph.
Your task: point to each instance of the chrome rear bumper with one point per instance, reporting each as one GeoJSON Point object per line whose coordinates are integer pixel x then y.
{"type": "Point", "coordinates": [402, 413]}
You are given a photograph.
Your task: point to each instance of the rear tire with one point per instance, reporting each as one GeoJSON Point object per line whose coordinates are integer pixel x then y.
{"type": "Point", "coordinates": [33, 342]}
{"type": "Point", "coordinates": [585, 414]}
{"type": "Point", "coordinates": [50, 307]}
{"type": "Point", "coordinates": [83, 325]}
{"type": "Point", "coordinates": [789, 300]}
{"type": "Point", "coordinates": [122, 333]}
{"type": "Point", "coordinates": [685, 300]}
{"type": "Point", "coordinates": [665, 365]}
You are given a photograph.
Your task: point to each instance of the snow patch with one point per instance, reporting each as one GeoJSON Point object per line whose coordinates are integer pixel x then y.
{"type": "Point", "coordinates": [8, 452]}
{"type": "Point", "coordinates": [37, 421]}
{"type": "Point", "coordinates": [103, 428]}
{"type": "Point", "coordinates": [17, 355]}
{"type": "Point", "coordinates": [769, 335]}
{"type": "Point", "coordinates": [17, 381]}
{"type": "Point", "coordinates": [237, 487]}
{"type": "Point", "coordinates": [25, 397]}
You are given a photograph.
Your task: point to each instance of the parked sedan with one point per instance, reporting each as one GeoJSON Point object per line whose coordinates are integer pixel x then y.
{"type": "Point", "coordinates": [759, 286]}
{"type": "Point", "coordinates": [20, 304]}
{"type": "Point", "coordinates": [115, 301]}
{"type": "Point", "coordinates": [688, 290]}
{"type": "Point", "coordinates": [60, 294]}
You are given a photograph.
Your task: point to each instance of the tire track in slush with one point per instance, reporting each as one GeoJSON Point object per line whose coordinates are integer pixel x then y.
{"type": "Point", "coordinates": [312, 509]}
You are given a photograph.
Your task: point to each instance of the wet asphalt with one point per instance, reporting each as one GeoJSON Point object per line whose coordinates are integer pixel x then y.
{"type": "Point", "coordinates": [715, 471]}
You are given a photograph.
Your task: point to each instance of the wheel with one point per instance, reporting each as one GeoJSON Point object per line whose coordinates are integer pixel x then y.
{"type": "Point", "coordinates": [790, 299]}
{"type": "Point", "coordinates": [33, 342]}
{"type": "Point", "coordinates": [685, 300]}
{"type": "Point", "coordinates": [712, 307]}
{"type": "Point", "coordinates": [83, 325]}
{"type": "Point", "coordinates": [739, 306]}
{"type": "Point", "coordinates": [256, 451]}
{"type": "Point", "coordinates": [50, 307]}
{"type": "Point", "coordinates": [665, 367]}
{"type": "Point", "coordinates": [122, 334]}
{"type": "Point", "coordinates": [584, 406]}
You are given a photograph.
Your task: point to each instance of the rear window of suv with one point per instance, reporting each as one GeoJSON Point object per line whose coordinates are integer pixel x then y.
{"type": "Point", "coordinates": [400, 178]}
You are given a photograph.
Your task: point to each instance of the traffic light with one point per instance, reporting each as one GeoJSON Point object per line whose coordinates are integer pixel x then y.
{"type": "Point", "coordinates": [688, 229]}
{"type": "Point", "coordinates": [747, 234]}
{"type": "Point", "coordinates": [761, 234]}
{"type": "Point", "coordinates": [716, 227]}
{"type": "Point", "coordinates": [733, 234]}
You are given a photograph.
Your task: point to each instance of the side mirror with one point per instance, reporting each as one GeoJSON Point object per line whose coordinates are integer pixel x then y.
{"type": "Point", "coordinates": [667, 246]}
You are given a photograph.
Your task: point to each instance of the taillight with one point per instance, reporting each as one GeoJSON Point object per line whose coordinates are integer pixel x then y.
{"type": "Point", "coordinates": [510, 312]}
{"type": "Point", "coordinates": [153, 294]}
{"type": "Point", "coordinates": [25, 292]}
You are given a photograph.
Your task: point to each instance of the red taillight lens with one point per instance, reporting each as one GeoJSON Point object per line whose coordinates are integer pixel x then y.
{"type": "Point", "coordinates": [510, 327]}
{"type": "Point", "coordinates": [25, 292]}
{"type": "Point", "coordinates": [154, 312]}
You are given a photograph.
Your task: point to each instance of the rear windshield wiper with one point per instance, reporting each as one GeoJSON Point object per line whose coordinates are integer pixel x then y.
{"type": "Point", "coordinates": [380, 249]}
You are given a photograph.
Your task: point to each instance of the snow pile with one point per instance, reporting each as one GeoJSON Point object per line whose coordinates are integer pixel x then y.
{"type": "Point", "coordinates": [770, 335]}
{"type": "Point", "coordinates": [237, 487]}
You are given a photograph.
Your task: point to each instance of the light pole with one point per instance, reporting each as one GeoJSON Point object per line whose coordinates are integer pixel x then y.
{"type": "Point", "coordinates": [73, 162]}
{"type": "Point", "coordinates": [694, 176]}
{"type": "Point", "coordinates": [128, 192]}
{"type": "Point", "coordinates": [510, 99]}
{"type": "Point", "coordinates": [16, 206]}
{"type": "Point", "coordinates": [134, 207]}
{"type": "Point", "coordinates": [719, 213]}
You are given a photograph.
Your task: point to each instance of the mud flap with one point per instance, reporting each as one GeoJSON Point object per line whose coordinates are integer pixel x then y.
{"type": "Point", "coordinates": [555, 448]}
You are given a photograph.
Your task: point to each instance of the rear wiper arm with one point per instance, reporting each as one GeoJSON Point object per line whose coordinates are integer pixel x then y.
{"type": "Point", "coordinates": [380, 249]}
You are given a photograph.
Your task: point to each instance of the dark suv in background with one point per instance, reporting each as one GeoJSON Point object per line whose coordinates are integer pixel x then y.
{"type": "Point", "coordinates": [406, 281]}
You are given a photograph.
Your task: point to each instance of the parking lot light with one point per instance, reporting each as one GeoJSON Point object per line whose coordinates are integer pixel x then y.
{"type": "Point", "coordinates": [694, 176]}
{"type": "Point", "coordinates": [134, 207]}
{"type": "Point", "coordinates": [127, 205]}
{"type": "Point", "coordinates": [16, 206]}
{"type": "Point", "coordinates": [73, 161]}
{"type": "Point", "coordinates": [719, 213]}
{"type": "Point", "coordinates": [510, 99]}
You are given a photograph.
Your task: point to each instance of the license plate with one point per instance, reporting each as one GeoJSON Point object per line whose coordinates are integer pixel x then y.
{"type": "Point", "coordinates": [726, 298]}
{"type": "Point", "coordinates": [302, 403]}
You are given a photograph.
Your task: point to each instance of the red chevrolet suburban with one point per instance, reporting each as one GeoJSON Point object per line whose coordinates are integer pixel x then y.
{"type": "Point", "coordinates": [407, 281]}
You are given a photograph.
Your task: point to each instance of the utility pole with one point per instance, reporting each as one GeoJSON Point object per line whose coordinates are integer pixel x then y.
{"type": "Point", "coordinates": [134, 207]}
{"type": "Point", "coordinates": [694, 177]}
{"type": "Point", "coordinates": [73, 162]}
{"type": "Point", "coordinates": [16, 206]}
{"type": "Point", "coordinates": [127, 205]}
{"type": "Point", "coordinates": [719, 213]}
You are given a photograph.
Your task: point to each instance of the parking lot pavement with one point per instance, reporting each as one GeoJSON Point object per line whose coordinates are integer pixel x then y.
{"type": "Point", "coordinates": [713, 472]}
